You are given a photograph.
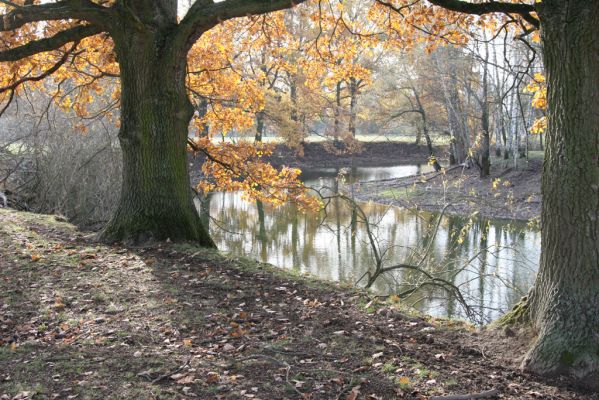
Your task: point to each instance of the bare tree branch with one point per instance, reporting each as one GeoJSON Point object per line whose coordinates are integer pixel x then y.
{"type": "Point", "coordinates": [523, 10]}
{"type": "Point", "coordinates": [51, 43]}
{"type": "Point", "coordinates": [43, 75]}
{"type": "Point", "coordinates": [204, 14]}
{"type": "Point", "coordinates": [61, 10]}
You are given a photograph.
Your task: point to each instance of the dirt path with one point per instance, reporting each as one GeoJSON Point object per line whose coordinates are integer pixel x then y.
{"type": "Point", "coordinates": [80, 320]}
{"type": "Point", "coordinates": [508, 193]}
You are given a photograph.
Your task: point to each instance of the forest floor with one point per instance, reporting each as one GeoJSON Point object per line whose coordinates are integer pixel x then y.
{"type": "Point", "coordinates": [81, 320]}
{"type": "Point", "coordinates": [510, 192]}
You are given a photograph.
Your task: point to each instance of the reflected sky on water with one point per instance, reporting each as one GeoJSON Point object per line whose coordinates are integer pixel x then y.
{"type": "Point", "coordinates": [493, 262]}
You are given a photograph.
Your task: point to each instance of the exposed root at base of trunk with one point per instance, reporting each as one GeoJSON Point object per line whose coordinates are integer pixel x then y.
{"type": "Point", "coordinates": [554, 353]}
{"type": "Point", "coordinates": [136, 231]}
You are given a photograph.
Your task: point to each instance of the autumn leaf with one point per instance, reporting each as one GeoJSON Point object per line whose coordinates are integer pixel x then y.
{"type": "Point", "coordinates": [212, 377]}
{"type": "Point", "coordinates": [353, 394]}
{"type": "Point", "coordinates": [404, 381]}
{"type": "Point", "coordinates": [186, 380]}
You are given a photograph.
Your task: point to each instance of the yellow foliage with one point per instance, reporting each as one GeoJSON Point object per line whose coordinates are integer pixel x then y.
{"type": "Point", "coordinates": [239, 167]}
{"type": "Point", "coordinates": [538, 87]}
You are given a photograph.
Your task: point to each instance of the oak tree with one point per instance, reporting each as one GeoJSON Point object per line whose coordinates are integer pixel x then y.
{"type": "Point", "coordinates": [562, 306]}
{"type": "Point", "coordinates": [151, 46]}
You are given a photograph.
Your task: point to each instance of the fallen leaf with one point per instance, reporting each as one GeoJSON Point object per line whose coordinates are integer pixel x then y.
{"type": "Point", "coordinates": [353, 395]}
{"type": "Point", "coordinates": [187, 379]}
{"type": "Point", "coordinates": [212, 377]}
{"type": "Point", "coordinates": [228, 347]}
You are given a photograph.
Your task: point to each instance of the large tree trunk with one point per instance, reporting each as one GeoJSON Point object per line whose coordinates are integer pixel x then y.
{"type": "Point", "coordinates": [564, 303]}
{"type": "Point", "coordinates": [156, 199]}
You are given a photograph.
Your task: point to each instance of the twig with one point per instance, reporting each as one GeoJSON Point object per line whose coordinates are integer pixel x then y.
{"type": "Point", "coordinates": [254, 356]}
{"type": "Point", "coordinates": [469, 396]}
{"type": "Point", "coordinates": [168, 375]}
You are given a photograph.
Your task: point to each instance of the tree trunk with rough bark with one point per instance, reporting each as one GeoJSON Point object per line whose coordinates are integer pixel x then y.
{"type": "Point", "coordinates": [156, 199]}
{"type": "Point", "coordinates": [564, 302]}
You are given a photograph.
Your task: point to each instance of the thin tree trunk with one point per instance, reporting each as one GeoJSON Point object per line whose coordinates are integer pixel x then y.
{"type": "Point", "coordinates": [485, 158]}
{"type": "Point", "coordinates": [259, 126]}
{"type": "Point", "coordinates": [353, 105]}
{"type": "Point", "coordinates": [427, 137]}
{"type": "Point", "coordinates": [202, 111]}
{"type": "Point", "coordinates": [337, 114]}
{"type": "Point", "coordinates": [457, 121]}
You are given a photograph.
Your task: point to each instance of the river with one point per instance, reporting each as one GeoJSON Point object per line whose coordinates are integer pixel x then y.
{"type": "Point", "coordinates": [492, 262]}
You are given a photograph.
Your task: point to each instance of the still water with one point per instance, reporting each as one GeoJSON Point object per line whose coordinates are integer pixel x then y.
{"type": "Point", "coordinates": [492, 262]}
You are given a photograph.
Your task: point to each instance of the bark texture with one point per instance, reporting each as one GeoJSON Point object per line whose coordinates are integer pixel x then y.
{"type": "Point", "coordinates": [564, 303]}
{"type": "Point", "coordinates": [156, 200]}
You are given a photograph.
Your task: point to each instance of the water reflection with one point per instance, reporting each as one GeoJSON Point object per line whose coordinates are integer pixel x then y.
{"type": "Point", "coordinates": [493, 262]}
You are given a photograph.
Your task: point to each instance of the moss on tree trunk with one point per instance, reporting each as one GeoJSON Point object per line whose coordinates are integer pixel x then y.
{"type": "Point", "coordinates": [156, 200]}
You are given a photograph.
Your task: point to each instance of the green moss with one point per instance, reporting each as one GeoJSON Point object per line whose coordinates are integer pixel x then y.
{"type": "Point", "coordinates": [517, 315]}
{"type": "Point", "coordinates": [450, 383]}
{"type": "Point", "coordinates": [389, 368]}
{"type": "Point", "coordinates": [567, 358]}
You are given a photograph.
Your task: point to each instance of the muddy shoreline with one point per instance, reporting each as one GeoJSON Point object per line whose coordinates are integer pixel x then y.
{"type": "Point", "coordinates": [509, 193]}
{"type": "Point", "coordinates": [372, 154]}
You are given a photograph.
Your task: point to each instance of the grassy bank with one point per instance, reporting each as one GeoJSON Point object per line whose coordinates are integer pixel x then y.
{"type": "Point", "coordinates": [87, 321]}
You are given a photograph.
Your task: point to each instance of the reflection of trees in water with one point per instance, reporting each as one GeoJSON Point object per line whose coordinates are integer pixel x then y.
{"type": "Point", "coordinates": [340, 250]}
